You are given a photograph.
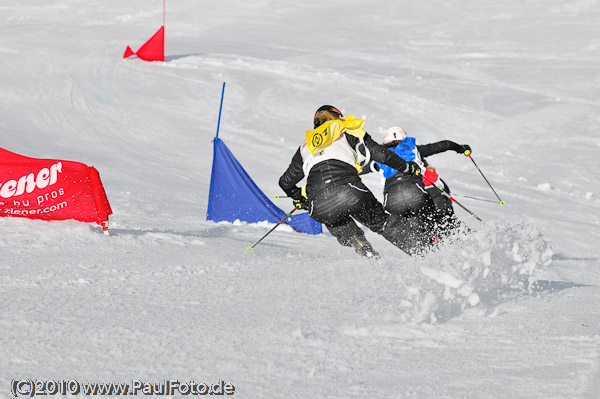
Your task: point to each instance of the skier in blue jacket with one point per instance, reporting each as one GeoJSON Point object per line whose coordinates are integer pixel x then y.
{"type": "Point", "coordinates": [415, 196]}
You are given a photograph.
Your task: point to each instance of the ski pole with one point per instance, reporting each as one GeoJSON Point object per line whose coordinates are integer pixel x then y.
{"type": "Point", "coordinates": [452, 199]}
{"type": "Point", "coordinates": [274, 227]}
{"type": "Point", "coordinates": [476, 198]}
{"type": "Point", "coordinates": [468, 153]}
{"type": "Point", "coordinates": [281, 196]}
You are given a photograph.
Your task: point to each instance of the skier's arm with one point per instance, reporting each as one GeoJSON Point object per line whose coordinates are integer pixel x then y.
{"type": "Point", "coordinates": [292, 176]}
{"type": "Point", "coordinates": [441, 146]}
{"type": "Point", "coordinates": [370, 167]}
{"type": "Point", "coordinates": [382, 155]}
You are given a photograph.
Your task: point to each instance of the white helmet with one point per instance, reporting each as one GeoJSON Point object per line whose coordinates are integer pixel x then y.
{"type": "Point", "coordinates": [393, 134]}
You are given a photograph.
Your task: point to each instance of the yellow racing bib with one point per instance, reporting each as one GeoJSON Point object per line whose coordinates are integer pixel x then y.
{"type": "Point", "coordinates": [320, 138]}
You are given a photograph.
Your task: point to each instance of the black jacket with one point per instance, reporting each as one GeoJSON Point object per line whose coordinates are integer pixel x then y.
{"type": "Point", "coordinates": [333, 172]}
{"type": "Point", "coordinates": [425, 150]}
{"type": "Point", "coordinates": [441, 146]}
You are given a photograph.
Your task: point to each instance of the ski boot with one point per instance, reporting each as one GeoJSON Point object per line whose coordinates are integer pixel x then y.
{"type": "Point", "coordinates": [363, 247]}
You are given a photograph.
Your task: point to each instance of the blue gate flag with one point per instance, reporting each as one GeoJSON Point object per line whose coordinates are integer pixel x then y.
{"type": "Point", "coordinates": [234, 196]}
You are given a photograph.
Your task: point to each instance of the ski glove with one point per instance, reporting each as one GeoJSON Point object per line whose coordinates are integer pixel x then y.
{"type": "Point", "coordinates": [463, 148]}
{"type": "Point", "coordinates": [301, 203]}
{"type": "Point", "coordinates": [412, 169]}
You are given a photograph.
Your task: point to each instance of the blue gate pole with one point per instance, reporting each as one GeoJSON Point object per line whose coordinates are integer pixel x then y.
{"type": "Point", "coordinates": [220, 109]}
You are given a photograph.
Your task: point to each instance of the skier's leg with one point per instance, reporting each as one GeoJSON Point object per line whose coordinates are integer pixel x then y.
{"type": "Point", "coordinates": [409, 234]}
{"type": "Point", "coordinates": [350, 235]}
{"type": "Point", "coordinates": [407, 198]}
{"type": "Point", "coordinates": [403, 232]}
{"type": "Point", "coordinates": [405, 195]}
{"type": "Point", "coordinates": [331, 209]}
{"type": "Point", "coordinates": [344, 230]}
{"type": "Point", "coordinates": [442, 215]}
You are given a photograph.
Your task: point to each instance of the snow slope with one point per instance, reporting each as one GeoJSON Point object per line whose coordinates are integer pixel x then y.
{"type": "Point", "coordinates": [509, 311]}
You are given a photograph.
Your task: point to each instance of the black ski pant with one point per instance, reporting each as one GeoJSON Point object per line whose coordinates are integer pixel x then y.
{"type": "Point", "coordinates": [442, 218]}
{"type": "Point", "coordinates": [338, 207]}
{"type": "Point", "coordinates": [427, 208]}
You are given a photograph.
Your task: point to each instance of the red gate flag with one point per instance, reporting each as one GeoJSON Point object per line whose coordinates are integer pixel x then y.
{"type": "Point", "coordinates": [152, 50]}
{"type": "Point", "coordinates": [51, 189]}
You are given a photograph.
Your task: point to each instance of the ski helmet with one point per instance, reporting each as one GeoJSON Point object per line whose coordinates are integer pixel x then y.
{"type": "Point", "coordinates": [326, 113]}
{"type": "Point", "coordinates": [394, 134]}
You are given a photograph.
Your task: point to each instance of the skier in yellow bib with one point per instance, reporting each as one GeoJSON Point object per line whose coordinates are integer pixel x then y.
{"type": "Point", "coordinates": [331, 159]}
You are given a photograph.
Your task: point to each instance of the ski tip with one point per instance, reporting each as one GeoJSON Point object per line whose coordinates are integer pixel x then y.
{"type": "Point", "coordinates": [502, 203]}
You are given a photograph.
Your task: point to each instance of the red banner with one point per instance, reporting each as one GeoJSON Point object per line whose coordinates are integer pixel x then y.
{"type": "Point", "coordinates": [51, 189]}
